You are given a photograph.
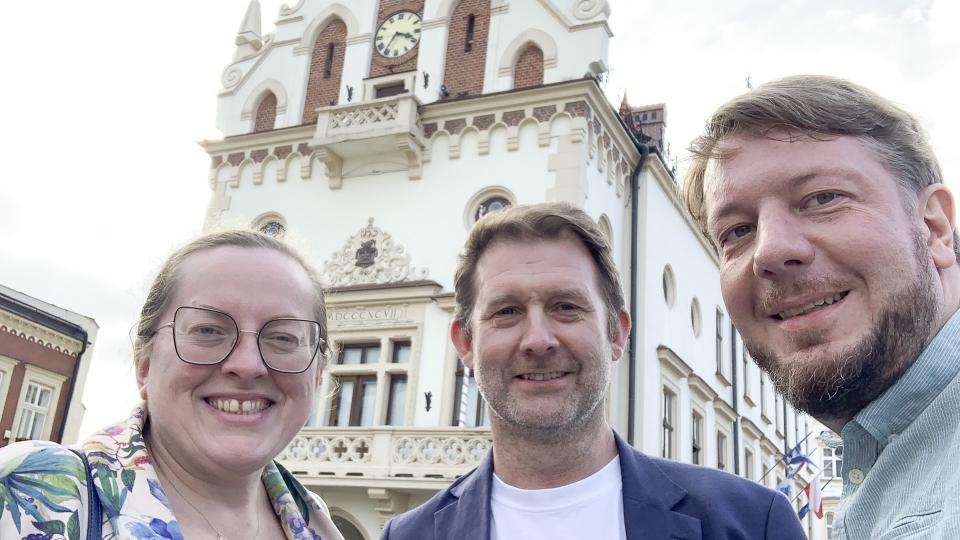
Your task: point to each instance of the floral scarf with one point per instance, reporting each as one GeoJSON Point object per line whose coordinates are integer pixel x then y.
{"type": "Point", "coordinates": [43, 491]}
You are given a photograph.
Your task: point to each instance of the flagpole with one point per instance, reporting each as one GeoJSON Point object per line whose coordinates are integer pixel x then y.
{"type": "Point", "coordinates": [825, 484]}
{"type": "Point", "coordinates": [764, 475]}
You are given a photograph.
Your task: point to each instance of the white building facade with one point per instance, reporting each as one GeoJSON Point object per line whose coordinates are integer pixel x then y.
{"type": "Point", "coordinates": [373, 134]}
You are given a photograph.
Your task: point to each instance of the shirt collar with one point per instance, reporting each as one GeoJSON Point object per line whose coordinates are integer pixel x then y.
{"type": "Point", "coordinates": [900, 404]}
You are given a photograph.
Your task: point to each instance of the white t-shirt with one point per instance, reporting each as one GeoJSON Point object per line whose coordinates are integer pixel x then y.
{"type": "Point", "coordinates": [591, 508]}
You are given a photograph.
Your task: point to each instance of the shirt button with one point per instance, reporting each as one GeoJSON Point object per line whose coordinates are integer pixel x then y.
{"type": "Point", "coordinates": [855, 476]}
{"type": "Point", "coordinates": [891, 438]}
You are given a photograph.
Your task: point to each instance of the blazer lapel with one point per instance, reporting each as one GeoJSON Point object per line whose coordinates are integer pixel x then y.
{"type": "Point", "coordinates": [648, 498]}
{"type": "Point", "coordinates": [468, 517]}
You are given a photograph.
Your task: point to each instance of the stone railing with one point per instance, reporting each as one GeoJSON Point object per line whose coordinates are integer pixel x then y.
{"type": "Point", "coordinates": [363, 115]}
{"type": "Point", "coordinates": [442, 453]}
{"type": "Point", "coordinates": [368, 119]}
{"type": "Point", "coordinates": [384, 126]}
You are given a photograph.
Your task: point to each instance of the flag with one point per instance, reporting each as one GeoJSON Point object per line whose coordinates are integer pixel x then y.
{"type": "Point", "coordinates": [813, 496]}
{"type": "Point", "coordinates": [784, 487]}
{"type": "Point", "coordinates": [795, 456]}
{"type": "Point", "coordinates": [803, 511]}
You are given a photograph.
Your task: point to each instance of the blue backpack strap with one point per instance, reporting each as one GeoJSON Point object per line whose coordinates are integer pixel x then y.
{"type": "Point", "coordinates": [93, 501]}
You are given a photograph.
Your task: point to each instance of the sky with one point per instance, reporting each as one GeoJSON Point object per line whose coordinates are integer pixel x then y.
{"type": "Point", "coordinates": [104, 103]}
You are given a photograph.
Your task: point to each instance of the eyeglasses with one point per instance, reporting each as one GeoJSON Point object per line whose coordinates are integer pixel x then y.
{"type": "Point", "coordinates": [204, 336]}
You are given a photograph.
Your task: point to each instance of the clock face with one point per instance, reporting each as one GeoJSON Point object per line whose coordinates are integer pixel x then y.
{"type": "Point", "coordinates": [398, 35]}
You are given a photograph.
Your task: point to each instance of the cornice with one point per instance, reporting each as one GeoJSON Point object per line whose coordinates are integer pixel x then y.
{"type": "Point", "coordinates": [700, 386]}
{"type": "Point", "coordinates": [724, 408]}
{"type": "Point", "coordinates": [36, 333]}
{"type": "Point", "coordinates": [277, 137]}
{"type": "Point", "coordinates": [342, 298]}
{"type": "Point", "coordinates": [749, 425]}
{"type": "Point", "coordinates": [671, 361]}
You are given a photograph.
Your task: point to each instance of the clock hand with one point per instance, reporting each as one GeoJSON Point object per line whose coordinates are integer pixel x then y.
{"type": "Point", "coordinates": [391, 41]}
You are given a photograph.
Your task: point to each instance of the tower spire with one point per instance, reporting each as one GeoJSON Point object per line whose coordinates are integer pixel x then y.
{"type": "Point", "coordinates": [249, 37]}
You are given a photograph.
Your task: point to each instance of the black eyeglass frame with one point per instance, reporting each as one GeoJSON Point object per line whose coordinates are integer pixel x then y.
{"type": "Point", "coordinates": [171, 325]}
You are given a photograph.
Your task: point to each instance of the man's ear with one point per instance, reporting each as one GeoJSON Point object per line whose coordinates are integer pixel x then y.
{"type": "Point", "coordinates": [142, 363]}
{"type": "Point", "coordinates": [936, 207]}
{"type": "Point", "coordinates": [621, 332]}
{"type": "Point", "coordinates": [462, 342]}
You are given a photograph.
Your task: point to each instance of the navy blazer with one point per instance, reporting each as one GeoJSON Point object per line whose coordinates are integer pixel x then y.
{"type": "Point", "coordinates": [661, 500]}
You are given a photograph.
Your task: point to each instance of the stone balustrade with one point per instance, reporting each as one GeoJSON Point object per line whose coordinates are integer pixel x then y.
{"type": "Point", "coordinates": [386, 452]}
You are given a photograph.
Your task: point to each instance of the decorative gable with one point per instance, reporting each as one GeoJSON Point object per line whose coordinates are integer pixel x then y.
{"type": "Point", "coordinates": [370, 257]}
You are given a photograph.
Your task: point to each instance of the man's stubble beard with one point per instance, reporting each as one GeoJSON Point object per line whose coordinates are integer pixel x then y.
{"type": "Point", "coordinates": [841, 386]}
{"type": "Point", "coordinates": [555, 427]}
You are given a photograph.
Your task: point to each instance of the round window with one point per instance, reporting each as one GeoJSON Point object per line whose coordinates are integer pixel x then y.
{"type": "Point", "coordinates": [695, 316]}
{"type": "Point", "coordinates": [492, 204]}
{"type": "Point", "coordinates": [273, 228]}
{"type": "Point", "coordinates": [669, 288]}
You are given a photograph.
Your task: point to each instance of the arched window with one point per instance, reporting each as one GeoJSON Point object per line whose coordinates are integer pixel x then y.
{"type": "Point", "coordinates": [467, 48]}
{"type": "Point", "coordinates": [266, 113]}
{"type": "Point", "coordinates": [326, 68]}
{"type": "Point", "coordinates": [529, 69]}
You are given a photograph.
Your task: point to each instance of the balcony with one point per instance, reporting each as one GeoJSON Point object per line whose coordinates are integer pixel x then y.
{"type": "Point", "coordinates": [403, 457]}
{"type": "Point", "coordinates": [388, 128]}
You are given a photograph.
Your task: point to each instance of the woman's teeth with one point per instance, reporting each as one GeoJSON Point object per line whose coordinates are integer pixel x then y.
{"type": "Point", "coordinates": [236, 406]}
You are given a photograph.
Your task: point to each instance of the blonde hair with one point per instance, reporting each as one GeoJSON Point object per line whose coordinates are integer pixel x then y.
{"type": "Point", "coordinates": [165, 283]}
{"type": "Point", "coordinates": [817, 105]}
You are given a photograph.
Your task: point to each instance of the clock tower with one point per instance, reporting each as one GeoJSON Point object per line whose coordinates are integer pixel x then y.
{"type": "Point", "coordinates": [396, 39]}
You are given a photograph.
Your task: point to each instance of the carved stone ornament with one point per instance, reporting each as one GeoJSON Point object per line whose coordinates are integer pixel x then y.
{"type": "Point", "coordinates": [588, 9]}
{"type": "Point", "coordinates": [370, 257]}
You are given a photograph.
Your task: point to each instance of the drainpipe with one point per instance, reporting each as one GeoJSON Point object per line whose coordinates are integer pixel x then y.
{"type": "Point", "coordinates": [634, 248]}
{"type": "Point", "coordinates": [736, 395]}
{"type": "Point", "coordinates": [82, 336]}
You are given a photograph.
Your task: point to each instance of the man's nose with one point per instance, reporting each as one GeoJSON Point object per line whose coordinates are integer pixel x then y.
{"type": "Point", "coordinates": [782, 245]}
{"type": "Point", "coordinates": [539, 337]}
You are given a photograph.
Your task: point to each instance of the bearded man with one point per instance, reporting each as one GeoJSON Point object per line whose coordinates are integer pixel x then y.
{"type": "Point", "coordinates": [540, 318]}
{"type": "Point", "coordinates": [839, 267]}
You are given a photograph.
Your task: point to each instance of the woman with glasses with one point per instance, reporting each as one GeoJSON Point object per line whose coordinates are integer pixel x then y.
{"type": "Point", "coordinates": [229, 350]}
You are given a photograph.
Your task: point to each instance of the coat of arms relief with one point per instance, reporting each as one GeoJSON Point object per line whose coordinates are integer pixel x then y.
{"type": "Point", "coordinates": [370, 257]}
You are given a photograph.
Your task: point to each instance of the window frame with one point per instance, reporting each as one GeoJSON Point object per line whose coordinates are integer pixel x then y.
{"type": "Point", "coordinates": [668, 430]}
{"type": "Point", "coordinates": [46, 378]}
{"type": "Point", "coordinates": [389, 420]}
{"type": "Point", "coordinates": [481, 417]}
{"type": "Point", "coordinates": [696, 438]}
{"type": "Point", "coordinates": [356, 405]}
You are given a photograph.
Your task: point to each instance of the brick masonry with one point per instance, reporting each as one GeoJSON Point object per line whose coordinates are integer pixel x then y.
{"type": "Point", "coordinates": [455, 126]}
{"type": "Point", "coordinates": [578, 108]}
{"type": "Point", "coordinates": [235, 158]}
{"type": "Point", "coordinates": [379, 65]}
{"type": "Point", "coordinates": [512, 118]}
{"type": "Point", "coordinates": [259, 155]}
{"type": "Point", "coordinates": [321, 92]}
{"type": "Point", "coordinates": [529, 69]}
{"type": "Point", "coordinates": [266, 113]}
{"type": "Point", "coordinates": [463, 69]}
{"type": "Point", "coordinates": [483, 121]}
{"type": "Point", "coordinates": [282, 151]}
{"type": "Point", "coordinates": [544, 113]}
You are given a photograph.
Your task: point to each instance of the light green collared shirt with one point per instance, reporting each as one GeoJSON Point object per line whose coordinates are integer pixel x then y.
{"type": "Point", "coordinates": [901, 453]}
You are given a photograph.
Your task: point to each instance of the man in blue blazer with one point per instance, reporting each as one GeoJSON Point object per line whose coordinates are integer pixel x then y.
{"type": "Point", "coordinates": [540, 319]}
